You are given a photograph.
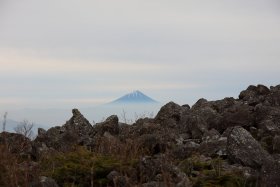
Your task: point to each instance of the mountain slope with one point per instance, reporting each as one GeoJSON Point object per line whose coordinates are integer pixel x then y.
{"type": "Point", "coordinates": [135, 97]}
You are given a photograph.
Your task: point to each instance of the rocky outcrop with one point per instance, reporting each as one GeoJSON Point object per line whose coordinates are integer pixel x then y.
{"type": "Point", "coordinates": [170, 114]}
{"type": "Point", "coordinates": [110, 125]}
{"type": "Point", "coordinates": [254, 94]}
{"type": "Point", "coordinates": [76, 131]}
{"type": "Point", "coordinates": [223, 142]}
{"type": "Point", "coordinates": [244, 149]}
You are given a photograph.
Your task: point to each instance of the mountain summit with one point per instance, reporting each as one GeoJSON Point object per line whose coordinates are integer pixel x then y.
{"type": "Point", "coordinates": [133, 98]}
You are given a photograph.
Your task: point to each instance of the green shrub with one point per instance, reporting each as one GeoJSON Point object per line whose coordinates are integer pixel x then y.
{"type": "Point", "coordinates": [209, 173]}
{"type": "Point", "coordinates": [194, 164]}
{"type": "Point", "coordinates": [68, 168]}
{"type": "Point", "coordinates": [79, 168]}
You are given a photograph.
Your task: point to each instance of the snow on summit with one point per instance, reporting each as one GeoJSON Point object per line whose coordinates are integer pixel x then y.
{"type": "Point", "coordinates": [134, 97]}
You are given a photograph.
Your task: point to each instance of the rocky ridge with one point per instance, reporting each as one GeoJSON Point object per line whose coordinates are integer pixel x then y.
{"type": "Point", "coordinates": [228, 142]}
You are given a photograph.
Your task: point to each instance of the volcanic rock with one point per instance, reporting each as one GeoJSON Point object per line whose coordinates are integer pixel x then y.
{"type": "Point", "coordinates": [76, 131]}
{"type": "Point", "coordinates": [244, 149]}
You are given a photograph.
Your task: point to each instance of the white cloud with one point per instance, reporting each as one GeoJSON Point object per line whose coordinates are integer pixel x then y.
{"type": "Point", "coordinates": [15, 62]}
{"type": "Point", "coordinates": [77, 50]}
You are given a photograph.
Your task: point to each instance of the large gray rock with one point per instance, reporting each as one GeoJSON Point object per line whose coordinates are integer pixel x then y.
{"type": "Point", "coordinates": [194, 124]}
{"type": "Point", "coordinates": [210, 116]}
{"type": "Point", "coordinates": [244, 149]}
{"type": "Point", "coordinates": [238, 114]}
{"type": "Point", "coordinates": [224, 113]}
{"type": "Point", "coordinates": [111, 125]}
{"type": "Point", "coordinates": [200, 119]}
{"type": "Point", "coordinates": [254, 94]}
{"type": "Point", "coordinates": [139, 129]}
{"type": "Point", "coordinates": [170, 114]}
{"type": "Point", "coordinates": [268, 119]}
{"type": "Point", "coordinates": [78, 124]}
{"type": "Point", "coordinates": [274, 97]}
{"type": "Point", "coordinates": [76, 131]}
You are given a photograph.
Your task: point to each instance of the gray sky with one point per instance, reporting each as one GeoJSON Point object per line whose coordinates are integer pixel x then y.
{"type": "Point", "coordinates": [69, 53]}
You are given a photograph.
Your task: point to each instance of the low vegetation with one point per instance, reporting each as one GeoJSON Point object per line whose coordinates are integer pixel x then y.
{"type": "Point", "coordinates": [224, 143]}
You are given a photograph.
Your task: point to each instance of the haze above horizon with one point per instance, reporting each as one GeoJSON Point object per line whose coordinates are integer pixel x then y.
{"type": "Point", "coordinates": [73, 54]}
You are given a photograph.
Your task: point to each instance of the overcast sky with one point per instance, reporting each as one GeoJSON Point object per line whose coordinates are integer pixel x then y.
{"type": "Point", "coordinates": [70, 53]}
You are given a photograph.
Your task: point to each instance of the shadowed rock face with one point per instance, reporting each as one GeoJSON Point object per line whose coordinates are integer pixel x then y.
{"type": "Point", "coordinates": [244, 149]}
{"type": "Point", "coordinates": [171, 114]}
{"type": "Point", "coordinates": [76, 131]}
{"type": "Point", "coordinates": [16, 143]}
{"type": "Point", "coordinates": [110, 125]}
{"type": "Point", "coordinates": [78, 123]}
{"type": "Point", "coordinates": [244, 133]}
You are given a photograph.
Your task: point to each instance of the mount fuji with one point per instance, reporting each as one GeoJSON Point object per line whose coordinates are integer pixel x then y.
{"type": "Point", "coordinates": [135, 97]}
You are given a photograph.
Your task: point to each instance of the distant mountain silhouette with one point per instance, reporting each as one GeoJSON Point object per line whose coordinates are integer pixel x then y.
{"type": "Point", "coordinates": [135, 97]}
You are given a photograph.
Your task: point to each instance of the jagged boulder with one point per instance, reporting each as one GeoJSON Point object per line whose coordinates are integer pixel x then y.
{"type": "Point", "coordinates": [170, 114]}
{"type": "Point", "coordinates": [243, 149]}
{"type": "Point", "coordinates": [268, 119]}
{"type": "Point", "coordinates": [209, 115]}
{"type": "Point", "coordinates": [78, 124]}
{"type": "Point", "coordinates": [254, 95]}
{"type": "Point", "coordinates": [221, 105]}
{"type": "Point", "coordinates": [274, 97]}
{"type": "Point", "coordinates": [201, 103]}
{"type": "Point", "coordinates": [237, 115]}
{"type": "Point", "coordinates": [76, 131]}
{"type": "Point", "coordinates": [139, 129]}
{"type": "Point", "coordinates": [224, 113]}
{"type": "Point", "coordinates": [195, 125]}
{"type": "Point", "coordinates": [111, 125]}
{"type": "Point", "coordinates": [203, 115]}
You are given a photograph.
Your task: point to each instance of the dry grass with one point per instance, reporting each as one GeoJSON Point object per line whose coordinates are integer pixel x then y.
{"type": "Point", "coordinates": [16, 169]}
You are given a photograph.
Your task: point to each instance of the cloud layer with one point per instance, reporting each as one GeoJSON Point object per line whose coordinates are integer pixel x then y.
{"type": "Point", "coordinates": [89, 52]}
